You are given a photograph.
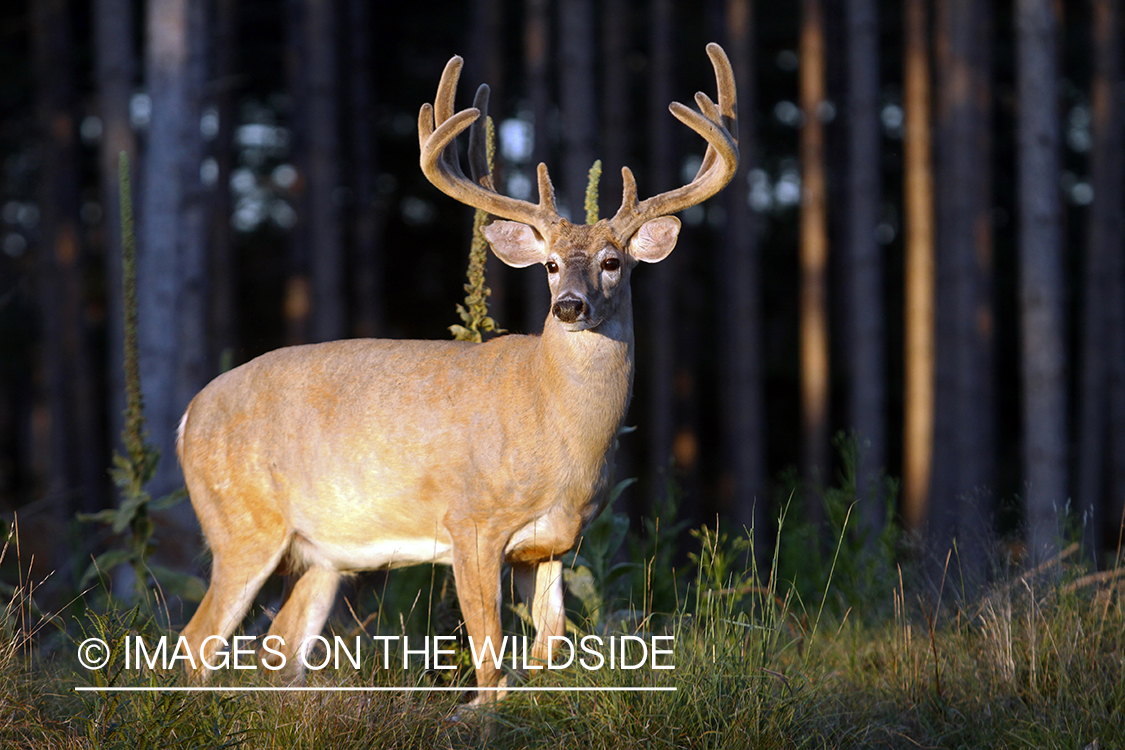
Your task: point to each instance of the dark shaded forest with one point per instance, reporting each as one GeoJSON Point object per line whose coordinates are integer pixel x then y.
{"type": "Point", "coordinates": [924, 247]}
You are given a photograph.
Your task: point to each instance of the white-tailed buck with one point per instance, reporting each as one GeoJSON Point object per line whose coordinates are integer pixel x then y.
{"type": "Point", "coordinates": [362, 454]}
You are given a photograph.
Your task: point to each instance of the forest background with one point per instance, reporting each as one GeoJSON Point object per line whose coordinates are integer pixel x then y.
{"type": "Point", "coordinates": [924, 248]}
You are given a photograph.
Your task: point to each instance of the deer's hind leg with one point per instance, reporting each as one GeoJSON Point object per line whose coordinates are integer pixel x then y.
{"type": "Point", "coordinates": [541, 586]}
{"type": "Point", "coordinates": [301, 618]}
{"type": "Point", "coordinates": [534, 553]}
{"type": "Point", "coordinates": [238, 571]}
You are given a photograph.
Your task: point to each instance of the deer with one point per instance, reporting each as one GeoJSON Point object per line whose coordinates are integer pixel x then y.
{"type": "Point", "coordinates": [327, 459]}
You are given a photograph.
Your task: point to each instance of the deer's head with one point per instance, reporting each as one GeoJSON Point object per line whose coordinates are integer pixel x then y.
{"type": "Point", "coordinates": [588, 265]}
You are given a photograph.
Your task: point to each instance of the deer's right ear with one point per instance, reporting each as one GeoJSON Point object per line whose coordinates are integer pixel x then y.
{"type": "Point", "coordinates": [515, 243]}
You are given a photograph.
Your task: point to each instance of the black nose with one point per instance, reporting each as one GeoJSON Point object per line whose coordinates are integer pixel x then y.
{"type": "Point", "coordinates": [568, 309]}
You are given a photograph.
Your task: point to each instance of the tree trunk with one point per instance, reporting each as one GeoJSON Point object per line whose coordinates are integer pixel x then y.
{"type": "Point", "coordinates": [171, 263]}
{"type": "Point", "coordinates": [1041, 276]}
{"type": "Point", "coordinates": [115, 57]}
{"type": "Point", "coordinates": [1100, 489]}
{"type": "Point", "coordinates": [963, 428]}
{"type": "Point", "coordinates": [740, 282]}
{"type": "Point", "coordinates": [615, 130]}
{"type": "Point", "coordinates": [616, 137]}
{"type": "Point", "coordinates": [158, 262]}
{"type": "Point", "coordinates": [536, 44]}
{"type": "Point", "coordinates": [864, 259]}
{"type": "Point", "coordinates": [813, 259]}
{"type": "Point", "coordinates": [323, 170]}
{"type": "Point", "coordinates": [368, 218]}
{"type": "Point", "coordinates": [918, 397]}
{"type": "Point", "coordinates": [193, 311]}
{"type": "Point", "coordinates": [578, 103]}
{"type": "Point", "coordinates": [486, 65]}
{"type": "Point", "coordinates": [298, 293]}
{"type": "Point", "coordinates": [224, 266]}
{"type": "Point", "coordinates": [75, 468]}
{"type": "Point", "coordinates": [659, 306]}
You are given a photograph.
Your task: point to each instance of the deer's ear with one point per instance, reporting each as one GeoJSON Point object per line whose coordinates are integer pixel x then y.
{"type": "Point", "coordinates": [655, 239]}
{"type": "Point", "coordinates": [515, 243]}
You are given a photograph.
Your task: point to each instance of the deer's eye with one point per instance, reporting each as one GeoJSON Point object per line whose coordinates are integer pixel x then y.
{"type": "Point", "coordinates": [552, 267]}
{"type": "Point", "coordinates": [611, 264]}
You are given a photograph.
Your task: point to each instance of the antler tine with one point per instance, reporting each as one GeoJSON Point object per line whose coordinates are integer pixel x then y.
{"type": "Point", "coordinates": [728, 97]}
{"type": "Point", "coordinates": [726, 110]}
{"type": "Point", "coordinates": [709, 109]}
{"type": "Point", "coordinates": [718, 125]}
{"type": "Point", "coordinates": [438, 128]}
{"type": "Point", "coordinates": [629, 194]}
{"type": "Point", "coordinates": [443, 109]}
{"type": "Point", "coordinates": [714, 113]}
{"type": "Point", "coordinates": [546, 189]}
{"type": "Point", "coordinates": [479, 168]}
{"type": "Point", "coordinates": [447, 89]}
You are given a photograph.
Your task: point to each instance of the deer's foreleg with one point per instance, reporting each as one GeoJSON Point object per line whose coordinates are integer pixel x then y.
{"type": "Point", "coordinates": [477, 560]}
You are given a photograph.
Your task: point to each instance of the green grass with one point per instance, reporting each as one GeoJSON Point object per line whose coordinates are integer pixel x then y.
{"type": "Point", "coordinates": [1037, 660]}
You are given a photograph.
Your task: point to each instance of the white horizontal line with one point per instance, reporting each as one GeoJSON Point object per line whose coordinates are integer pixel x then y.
{"type": "Point", "coordinates": [373, 689]}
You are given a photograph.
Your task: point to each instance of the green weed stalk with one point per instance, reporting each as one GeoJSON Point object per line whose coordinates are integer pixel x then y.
{"type": "Point", "coordinates": [132, 471]}
{"type": "Point", "coordinates": [592, 180]}
{"type": "Point", "coordinates": [475, 320]}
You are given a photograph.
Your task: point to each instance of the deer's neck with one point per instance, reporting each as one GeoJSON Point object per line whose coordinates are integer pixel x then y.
{"type": "Point", "coordinates": [587, 376]}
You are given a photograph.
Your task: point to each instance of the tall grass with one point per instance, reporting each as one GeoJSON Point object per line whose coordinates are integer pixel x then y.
{"type": "Point", "coordinates": [1036, 661]}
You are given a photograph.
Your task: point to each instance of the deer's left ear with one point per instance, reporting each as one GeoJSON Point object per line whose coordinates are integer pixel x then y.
{"type": "Point", "coordinates": [655, 239]}
{"type": "Point", "coordinates": [514, 243]}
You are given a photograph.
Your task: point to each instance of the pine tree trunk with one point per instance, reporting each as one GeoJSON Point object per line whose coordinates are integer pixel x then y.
{"type": "Point", "coordinates": [615, 129]}
{"type": "Point", "coordinates": [75, 468]}
{"type": "Point", "coordinates": [158, 261]}
{"type": "Point", "coordinates": [577, 103]}
{"type": "Point", "coordinates": [172, 259]}
{"type": "Point", "coordinates": [1115, 298]}
{"type": "Point", "coordinates": [193, 308]}
{"type": "Point", "coordinates": [1100, 481]}
{"type": "Point", "coordinates": [224, 269]}
{"type": "Point", "coordinates": [320, 107]}
{"type": "Point", "coordinates": [487, 65]}
{"type": "Point", "coordinates": [368, 209]}
{"type": "Point", "coordinates": [813, 259]}
{"type": "Point", "coordinates": [659, 303]}
{"type": "Point", "coordinates": [115, 57]}
{"type": "Point", "coordinates": [1041, 276]}
{"type": "Point", "coordinates": [536, 47]}
{"type": "Point", "coordinates": [864, 260]}
{"type": "Point", "coordinates": [297, 305]}
{"type": "Point", "coordinates": [741, 283]}
{"type": "Point", "coordinates": [960, 508]}
{"type": "Point", "coordinates": [616, 137]}
{"type": "Point", "coordinates": [918, 397]}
